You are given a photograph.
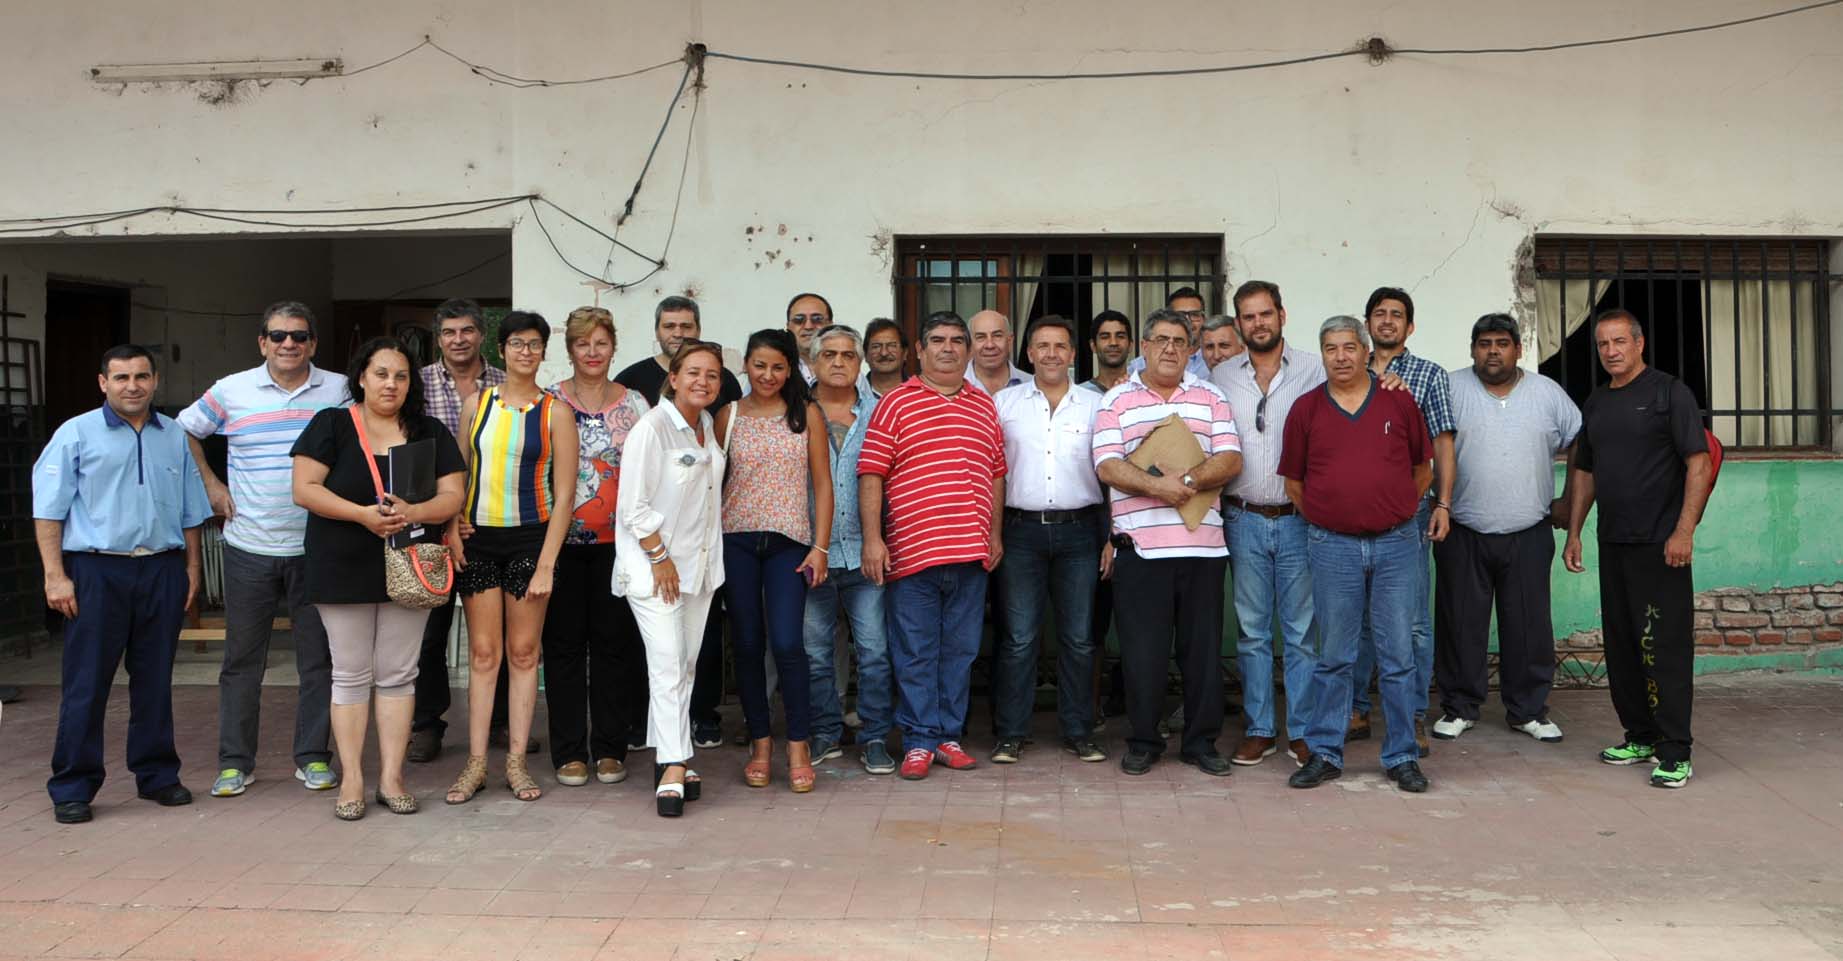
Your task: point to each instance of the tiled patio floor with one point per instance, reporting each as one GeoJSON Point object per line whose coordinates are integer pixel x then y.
{"type": "Point", "coordinates": [1520, 851]}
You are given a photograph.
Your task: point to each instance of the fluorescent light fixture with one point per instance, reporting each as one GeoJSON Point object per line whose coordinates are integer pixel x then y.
{"type": "Point", "coordinates": [301, 69]}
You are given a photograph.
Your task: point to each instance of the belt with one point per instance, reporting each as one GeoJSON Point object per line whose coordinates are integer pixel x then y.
{"type": "Point", "coordinates": [1265, 510]}
{"type": "Point", "coordinates": [137, 552]}
{"type": "Point", "coordinates": [1078, 515]}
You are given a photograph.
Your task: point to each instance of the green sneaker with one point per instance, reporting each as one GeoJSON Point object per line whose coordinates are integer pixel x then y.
{"type": "Point", "coordinates": [1627, 753]}
{"type": "Point", "coordinates": [317, 776]}
{"type": "Point", "coordinates": [1670, 774]}
{"type": "Point", "coordinates": [231, 782]}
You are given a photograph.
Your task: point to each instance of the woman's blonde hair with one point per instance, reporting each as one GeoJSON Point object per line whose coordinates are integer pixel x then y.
{"type": "Point", "coordinates": [582, 322]}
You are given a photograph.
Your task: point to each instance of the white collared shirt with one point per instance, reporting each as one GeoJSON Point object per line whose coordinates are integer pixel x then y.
{"type": "Point", "coordinates": [1048, 454]}
{"type": "Point", "coordinates": [1260, 427]}
{"type": "Point", "coordinates": [670, 485]}
{"type": "Point", "coordinates": [1016, 377]}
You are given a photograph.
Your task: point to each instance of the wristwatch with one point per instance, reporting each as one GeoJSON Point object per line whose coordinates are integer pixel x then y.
{"type": "Point", "coordinates": [1189, 481]}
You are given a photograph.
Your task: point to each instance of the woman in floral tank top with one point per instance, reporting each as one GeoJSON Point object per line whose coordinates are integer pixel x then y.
{"type": "Point", "coordinates": [776, 523]}
{"type": "Point", "coordinates": [594, 666]}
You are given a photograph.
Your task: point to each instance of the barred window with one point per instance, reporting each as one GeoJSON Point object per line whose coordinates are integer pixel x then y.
{"type": "Point", "coordinates": [1744, 322]}
{"type": "Point", "coordinates": [1026, 277]}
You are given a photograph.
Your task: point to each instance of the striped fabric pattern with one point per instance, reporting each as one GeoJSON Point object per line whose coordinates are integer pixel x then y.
{"type": "Point", "coordinates": [938, 457]}
{"type": "Point", "coordinates": [260, 422]}
{"type": "Point", "coordinates": [1128, 414]}
{"type": "Point", "coordinates": [508, 480]}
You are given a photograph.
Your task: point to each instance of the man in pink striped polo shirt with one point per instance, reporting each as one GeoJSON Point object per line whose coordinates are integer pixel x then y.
{"type": "Point", "coordinates": [1172, 573]}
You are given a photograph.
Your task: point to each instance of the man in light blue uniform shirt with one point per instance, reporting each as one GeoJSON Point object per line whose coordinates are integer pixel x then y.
{"type": "Point", "coordinates": [116, 505]}
{"type": "Point", "coordinates": [261, 411]}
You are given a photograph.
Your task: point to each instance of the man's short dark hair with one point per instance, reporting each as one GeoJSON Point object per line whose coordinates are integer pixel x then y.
{"type": "Point", "coordinates": [289, 308]}
{"type": "Point", "coordinates": [944, 318]}
{"type": "Point", "coordinates": [1620, 313]}
{"type": "Point", "coordinates": [799, 297]}
{"type": "Point", "coordinates": [1165, 315]}
{"type": "Point", "coordinates": [1252, 287]}
{"type": "Point", "coordinates": [1389, 293]}
{"type": "Point", "coordinates": [519, 321]}
{"type": "Point", "coordinates": [1498, 324]}
{"type": "Point", "coordinates": [455, 307]}
{"type": "Point", "coordinates": [1181, 293]}
{"type": "Point", "coordinates": [674, 304]}
{"type": "Point", "coordinates": [1054, 321]}
{"type": "Point", "coordinates": [1107, 315]}
{"type": "Point", "coordinates": [882, 324]}
{"type": "Point", "coordinates": [127, 352]}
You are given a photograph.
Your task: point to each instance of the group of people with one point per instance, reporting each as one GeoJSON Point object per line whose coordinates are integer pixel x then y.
{"type": "Point", "coordinates": [610, 527]}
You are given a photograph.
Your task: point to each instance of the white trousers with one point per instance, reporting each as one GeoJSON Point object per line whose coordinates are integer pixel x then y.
{"type": "Point", "coordinates": [672, 634]}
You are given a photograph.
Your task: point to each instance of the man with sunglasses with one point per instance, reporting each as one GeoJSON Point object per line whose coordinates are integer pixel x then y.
{"type": "Point", "coordinates": [260, 412]}
{"type": "Point", "coordinates": [1267, 545]}
{"type": "Point", "coordinates": [807, 314]}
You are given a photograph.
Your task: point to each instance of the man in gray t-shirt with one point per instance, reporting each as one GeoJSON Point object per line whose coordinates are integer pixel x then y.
{"type": "Point", "coordinates": [1510, 425]}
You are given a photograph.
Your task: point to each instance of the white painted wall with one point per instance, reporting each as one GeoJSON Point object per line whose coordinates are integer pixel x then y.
{"type": "Point", "coordinates": [1329, 178]}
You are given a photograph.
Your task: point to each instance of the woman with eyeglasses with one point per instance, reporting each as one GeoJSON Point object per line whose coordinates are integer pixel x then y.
{"type": "Point", "coordinates": [772, 548]}
{"type": "Point", "coordinates": [592, 653]}
{"type": "Point", "coordinates": [668, 553]}
{"type": "Point", "coordinates": [521, 488]}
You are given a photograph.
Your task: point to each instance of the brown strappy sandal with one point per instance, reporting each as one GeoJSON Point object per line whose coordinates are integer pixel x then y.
{"type": "Point", "coordinates": [471, 780]}
{"type": "Point", "coordinates": [519, 780]}
{"type": "Point", "coordinates": [800, 777]}
{"type": "Point", "coordinates": [755, 773]}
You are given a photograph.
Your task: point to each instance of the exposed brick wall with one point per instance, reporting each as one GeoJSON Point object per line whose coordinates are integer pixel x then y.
{"type": "Point", "coordinates": [1737, 621]}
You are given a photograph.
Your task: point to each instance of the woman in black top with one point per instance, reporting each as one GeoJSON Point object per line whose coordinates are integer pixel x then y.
{"type": "Point", "coordinates": [374, 641]}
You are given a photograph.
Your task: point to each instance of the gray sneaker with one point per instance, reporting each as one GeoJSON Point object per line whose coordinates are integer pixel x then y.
{"type": "Point", "coordinates": [1008, 751]}
{"type": "Point", "coordinates": [824, 749]}
{"type": "Point", "coordinates": [877, 759]}
{"type": "Point", "coordinates": [317, 776]}
{"type": "Point", "coordinates": [232, 782]}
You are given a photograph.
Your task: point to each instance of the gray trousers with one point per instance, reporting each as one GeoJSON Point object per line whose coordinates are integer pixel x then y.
{"type": "Point", "coordinates": [255, 587]}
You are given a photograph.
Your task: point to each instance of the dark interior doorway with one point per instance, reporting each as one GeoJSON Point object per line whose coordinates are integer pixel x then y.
{"type": "Point", "coordinates": [81, 321]}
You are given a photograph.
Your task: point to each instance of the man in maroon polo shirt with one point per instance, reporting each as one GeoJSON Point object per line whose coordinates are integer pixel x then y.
{"type": "Point", "coordinates": [1357, 460]}
{"type": "Point", "coordinates": [935, 456]}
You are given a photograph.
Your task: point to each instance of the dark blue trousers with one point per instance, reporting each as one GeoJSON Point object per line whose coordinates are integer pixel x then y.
{"type": "Point", "coordinates": [127, 607]}
{"type": "Point", "coordinates": [933, 622]}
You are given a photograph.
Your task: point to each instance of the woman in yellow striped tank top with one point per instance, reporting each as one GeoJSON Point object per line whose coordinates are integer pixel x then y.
{"type": "Point", "coordinates": [521, 488]}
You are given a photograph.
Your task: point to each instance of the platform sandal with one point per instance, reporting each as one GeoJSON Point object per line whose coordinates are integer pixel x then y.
{"type": "Point", "coordinates": [755, 773]}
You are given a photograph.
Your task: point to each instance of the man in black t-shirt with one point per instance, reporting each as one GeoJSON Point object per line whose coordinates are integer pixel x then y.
{"type": "Point", "coordinates": [1642, 433]}
{"type": "Point", "coordinates": [675, 321]}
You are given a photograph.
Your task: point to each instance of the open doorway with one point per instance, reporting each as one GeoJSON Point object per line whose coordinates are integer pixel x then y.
{"type": "Point", "coordinates": [81, 321]}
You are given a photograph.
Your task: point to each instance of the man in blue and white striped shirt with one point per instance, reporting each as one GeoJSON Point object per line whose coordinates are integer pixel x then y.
{"type": "Point", "coordinates": [260, 412]}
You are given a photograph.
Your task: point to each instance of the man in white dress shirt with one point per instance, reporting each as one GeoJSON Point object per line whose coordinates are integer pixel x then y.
{"type": "Point", "coordinates": [1053, 510]}
{"type": "Point", "coordinates": [991, 369]}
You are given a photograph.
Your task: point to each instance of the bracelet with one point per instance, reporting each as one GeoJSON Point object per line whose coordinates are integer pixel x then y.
{"type": "Point", "coordinates": [822, 550]}
{"type": "Point", "coordinates": [656, 561]}
{"type": "Point", "coordinates": [1443, 507]}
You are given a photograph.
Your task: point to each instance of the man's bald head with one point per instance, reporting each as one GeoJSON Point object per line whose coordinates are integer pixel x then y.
{"type": "Point", "coordinates": [992, 347]}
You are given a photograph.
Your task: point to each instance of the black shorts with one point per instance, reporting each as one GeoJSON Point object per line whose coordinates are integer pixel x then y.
{"type": "Point", "coordinates": [502, 558]}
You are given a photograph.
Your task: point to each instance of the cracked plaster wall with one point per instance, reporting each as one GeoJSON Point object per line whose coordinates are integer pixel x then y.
{"type": "Point", "coordinates": [1329, 178]}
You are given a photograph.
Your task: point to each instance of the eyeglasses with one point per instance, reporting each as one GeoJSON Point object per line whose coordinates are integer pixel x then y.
{"type": "Point", "coordinates": [523, 346]}
{"type": "Point", "coordinates": [278, 336]}
{"type": "Point", "coordinates": [1190, 314]}
{"type": "Point", "coordinates": [809, 320]}
{"type": "Point", "coordinates": [452, 333]}
{"type": "Point", "coordinates": [1260, 416]}
{"type": "Point", "coordinates": [1165, 342]}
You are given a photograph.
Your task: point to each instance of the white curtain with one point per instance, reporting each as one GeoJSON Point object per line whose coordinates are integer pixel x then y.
{"type": "Point", "coordinates": [1561, 311]}
{"type": "Point", "coordinates": [1029, 273]}
{"type": "Point", "coordinates": [1753, 324]}
{"type": "Point", "coordinates": [1136, 300]}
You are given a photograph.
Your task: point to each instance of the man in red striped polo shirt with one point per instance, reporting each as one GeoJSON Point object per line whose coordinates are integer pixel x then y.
{"type": "Point", "coordinates": [1172, 573]}
{"type": "Point", "coordinates": [935, 458]}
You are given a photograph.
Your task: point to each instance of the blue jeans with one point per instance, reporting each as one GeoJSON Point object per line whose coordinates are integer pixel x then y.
{"type": "Point", "coordinates": [862, 603]}
{"type": "Point", "coordinates": [1272, 571]}
{"type": "Point", "coordinates": [1423, 629]}
{"type": "Point", "coordinates": [767, 591]}
{"type": "Point", "coordinates": [1041, 560]}
{"type": "Point", "coordinates": [1353, 577]}
{"type": "Point", "coordinates": [934, 617]}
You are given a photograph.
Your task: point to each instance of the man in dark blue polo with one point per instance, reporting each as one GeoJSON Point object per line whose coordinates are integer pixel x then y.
{"type": "Point", "coordinates": [117, 502]}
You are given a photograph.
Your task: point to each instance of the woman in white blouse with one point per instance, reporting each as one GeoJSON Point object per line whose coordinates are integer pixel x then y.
{"type": "Point", "coordinates": [669, 553]}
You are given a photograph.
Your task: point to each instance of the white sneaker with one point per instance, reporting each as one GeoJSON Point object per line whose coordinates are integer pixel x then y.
{"type": "Point", "coordinates": [1448, 727]}
{"type": "Point", "coordinates": [1543, 730]}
